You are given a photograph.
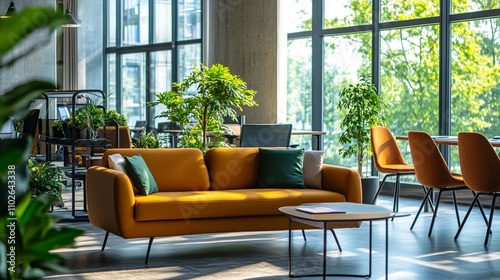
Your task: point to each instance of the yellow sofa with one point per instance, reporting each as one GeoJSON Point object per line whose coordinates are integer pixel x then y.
{"type": "Point", "coordinates": [203, 193]}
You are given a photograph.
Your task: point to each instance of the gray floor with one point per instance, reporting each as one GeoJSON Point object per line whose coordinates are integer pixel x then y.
{"type": "Point", "coordinates": [263, 255]}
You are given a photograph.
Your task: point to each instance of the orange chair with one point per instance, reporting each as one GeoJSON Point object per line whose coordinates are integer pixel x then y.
{"type": "Point", "coordinates": [481, 171]}
{"type": "Point", "coordinates": [388, 160]}
{"type": "Point", "coordinates": [432, 172]}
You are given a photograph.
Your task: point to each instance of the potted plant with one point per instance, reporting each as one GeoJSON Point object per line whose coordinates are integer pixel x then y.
{"type": "Point", "coordinates": [218, 94]}
{"type": "Point", "coordinates": [119, 118]}
{"type": "Point", "coordinates": [88, 118]}
{"type": "Point", "coordinates": [57, 129]}
{"type": "Point", "coordinates": [146, 140]}
{"type": "Point", "coordinates": [360, 108]}
{"type": "Point", "coordinates": [45, 178]}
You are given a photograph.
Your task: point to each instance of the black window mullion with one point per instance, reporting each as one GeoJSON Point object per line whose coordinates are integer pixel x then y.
{"type": "Point", "coordinates": [445, 73]}
{"type": "Point", "coordinates": [175, 49]}
{"type": "Point", "coordinates": [317, 68]}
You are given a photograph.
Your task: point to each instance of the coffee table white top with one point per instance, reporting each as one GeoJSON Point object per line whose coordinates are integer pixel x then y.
{"type": "Point", "coordinates": [353, 212]}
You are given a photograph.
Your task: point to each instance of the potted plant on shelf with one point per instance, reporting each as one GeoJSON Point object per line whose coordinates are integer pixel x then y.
{"type": "Point", "coordinates": [360, 108]}
{"type": "Point", "coordinates": [218, 94]}
{"type": "Point", "coordinates": [57, 129]}
{"type": "Point", "coordinates": [88, 118]}
{"type": "Point", "coordinates": [119, 118]}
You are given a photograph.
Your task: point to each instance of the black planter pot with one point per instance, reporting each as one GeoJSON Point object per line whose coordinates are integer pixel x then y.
{"type": "Point", "coordinates": [370, 187]}
{"type": "Point", "coordinates": [57, 133]}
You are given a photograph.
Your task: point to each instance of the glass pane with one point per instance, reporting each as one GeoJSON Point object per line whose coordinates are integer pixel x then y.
{"type": "Point", "coordinates": [394, 10]}
{"type": "Point", "coordinates": [135, 25]}
{"type": "Point", "coordinates": [345, 58]}
{"type": "Point", "coordinates": [189, 20]}
{"type": "Point", "coordinates": [111, 23]}
{"type": "Point", "coordinates": [111, 90]}
{"type": "Point", "coordinates": [189, 57]}
{"type": "Point", "coordinates": [341, 13]}
{"type": "Point", "coordinates": [299, 105]}
{"type": "Point", "coordinates": [90, 47]}
{"type": "Point", "coordinates": [163, 21]}
{"type": "Point", "coordinates": [297, 15]}
{"type": "Point", "coordinates": [465, 6]}
{"type": "Point", "coordinates": [476, 76]}
{"type": "Point", "coordinates": [161, 80]}
{"type": "Point", "coordinates": [134, 87]}
{"type": "Point", "coordinates": [410, 80]}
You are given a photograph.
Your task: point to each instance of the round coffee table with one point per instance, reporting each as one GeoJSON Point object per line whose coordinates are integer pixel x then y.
{"type": "Point", "coordinates": [350, 212]}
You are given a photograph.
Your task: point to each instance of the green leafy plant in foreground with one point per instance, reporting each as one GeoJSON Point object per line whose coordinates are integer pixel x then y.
{"type": "Point", "coordinates": [27, 241]}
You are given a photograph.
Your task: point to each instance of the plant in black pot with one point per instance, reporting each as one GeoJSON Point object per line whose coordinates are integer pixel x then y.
{"type": "Point", "coordinates": [88, 119]}
{"type": "Point", "coordinates": [120, 119]}
{"type": "Point", "coordinates": [57, 129]}
{"type": "Point", "coordinates": [360, 108]}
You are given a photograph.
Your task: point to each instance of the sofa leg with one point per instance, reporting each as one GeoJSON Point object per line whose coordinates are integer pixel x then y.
{"type": "Point", "coordinates": [105, 240]}
{"type": "Point", "coordinates": [149, 248]}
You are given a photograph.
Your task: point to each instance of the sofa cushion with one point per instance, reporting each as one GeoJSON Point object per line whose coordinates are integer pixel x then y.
{"type": "Point", "coordinates": [177, 169]}
{"type": "Point", "coordinates": [140, 175]}
{"type": "Point", "coordinates": [232, 168]}
{"type": "Point", "coordinates": [281, 168]}
{"type": "Point", "coordinates": [313, 162]}
{"type": "Point", "coordinates": [225, 203]}
{"type": "Point", "coordinates": [117, 162]}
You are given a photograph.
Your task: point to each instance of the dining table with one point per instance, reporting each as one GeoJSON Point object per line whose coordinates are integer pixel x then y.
{"type": "Point", "coordinates": [452, 140]}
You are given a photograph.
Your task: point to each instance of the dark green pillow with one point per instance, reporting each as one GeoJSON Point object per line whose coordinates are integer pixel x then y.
{"type": "Point", "coordinates": [140, 175]}
{"type": "Point", "coordinates": [281, 168]}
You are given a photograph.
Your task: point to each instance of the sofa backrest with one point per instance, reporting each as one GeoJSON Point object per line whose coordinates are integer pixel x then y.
{"type": "Point", "coordinates": [174, 169]}
{"type": "Point", "coordinates": [232, 168]}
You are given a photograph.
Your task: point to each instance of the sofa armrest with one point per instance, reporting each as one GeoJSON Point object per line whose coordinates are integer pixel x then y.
{"type": "Point", "coordinates": [342, 180]}
{"type": "Point", "coordinates": [110, 200]}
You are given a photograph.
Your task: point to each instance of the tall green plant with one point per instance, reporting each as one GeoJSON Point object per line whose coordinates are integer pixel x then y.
{"type": "Point", "coordinates": [360, 107]}
{"type": "Point", "coordinates": [218, 94]}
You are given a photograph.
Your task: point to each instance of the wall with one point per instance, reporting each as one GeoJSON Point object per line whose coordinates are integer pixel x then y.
{"type": "Point", "coordinates": [41, 63]}
{"type": "Point", "coordinates": [243, 36]}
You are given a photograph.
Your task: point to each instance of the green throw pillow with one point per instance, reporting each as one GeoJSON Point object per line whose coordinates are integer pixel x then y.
{"type": "Point", "coordinates": [140, 175]}
{"type": "Point", "coordinates": [281, 168]}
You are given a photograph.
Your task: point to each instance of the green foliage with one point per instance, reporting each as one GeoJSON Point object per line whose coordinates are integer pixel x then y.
{"type": "Point", "coordinates": [35, 237]}
{"type": "Point", "coordinates": [58, 124]}
{"type": "Point", "coordinates": [34, 231]}
{"type": "Point", "coordinates": [89, 116]}
{"type": "Point", "coordinates": [218, 94]}
{"type": "Point", "coordinates": [361, 109]}
{"type": "Point", "coordinates": [146, 140]}
{"type": "Point", "coordinates": [45, 177]}
{"type": "Point", "coordinates": [114, 115]}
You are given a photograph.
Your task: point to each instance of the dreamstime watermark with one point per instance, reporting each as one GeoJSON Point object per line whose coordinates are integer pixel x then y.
{"type": "Point", "coordinates": [11, 219]}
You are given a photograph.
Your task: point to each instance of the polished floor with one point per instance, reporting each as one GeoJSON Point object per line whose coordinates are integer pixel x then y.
{"type": "Point", "coordinates": [264, 255]}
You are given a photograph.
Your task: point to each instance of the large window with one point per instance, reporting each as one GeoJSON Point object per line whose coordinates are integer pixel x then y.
{"type": "Point", "coordinates": [437, 63]}
{"type": "Point", "coordinates": [150, 44]}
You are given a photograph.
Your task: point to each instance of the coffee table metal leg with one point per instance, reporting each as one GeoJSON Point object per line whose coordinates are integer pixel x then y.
{"type": "Point", "coordinates": [386, 248]}
{"type": "Point", "coordinates": [324, 250]}
{"type": "Point", "coordinates": [289, 247]}
{"type": "Point", "coordinates": [370, 260]}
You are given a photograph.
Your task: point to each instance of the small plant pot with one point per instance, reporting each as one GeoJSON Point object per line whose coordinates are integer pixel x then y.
{"type": "Point", "coordinates": [57, 133]}
{"type": "Point", "coordinates": [369, 187]}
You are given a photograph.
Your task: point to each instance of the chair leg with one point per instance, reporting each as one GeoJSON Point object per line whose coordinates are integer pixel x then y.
{"type": "Point", "coordinates": [435, 212]}
{"type": "Point", "coordinates": [304, 235]}
{"type": "Point", "coordinates": [492, 211]}
{"type": "Point", "coordinates": [429, 200]}
{"type": "Point", "coordinates": [105, 240]}
{"type": "Point", "coordinates": [336, 240]}
{"type": "Point", "coordinates": [456, 206]}
{"type": "Point", "coordinates": [149, 249]}
{"type": "Point", "coordinates": [482, 210]}
{"type": "Point", "coordinates": [379, 188]}
{"type": "Point", "coordinates": [427, 193]}
{"type": "Point", "coordinates": [395, 207]}
{"type": "Point", "coordinates": [466, 216]}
